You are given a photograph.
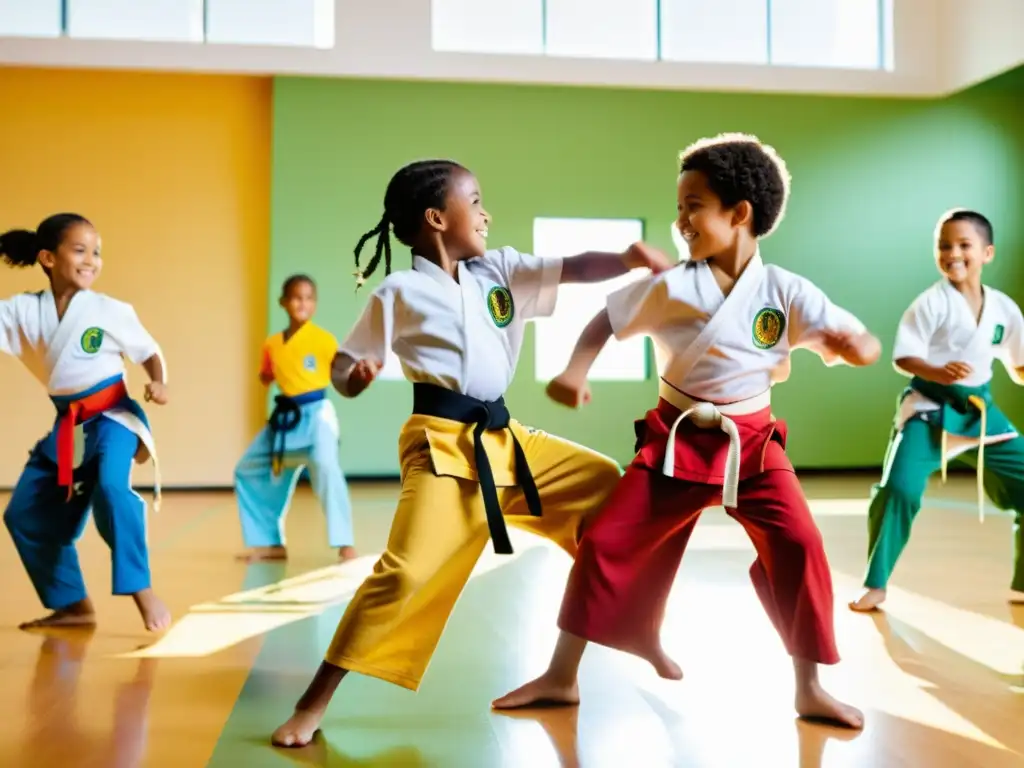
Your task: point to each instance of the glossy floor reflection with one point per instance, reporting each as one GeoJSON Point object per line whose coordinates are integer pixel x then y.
{"type": "Point", "coordinates": [940, 674]}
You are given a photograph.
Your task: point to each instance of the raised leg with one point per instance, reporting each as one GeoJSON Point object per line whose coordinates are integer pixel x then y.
{"type": "Point", "coordinates": [395, 620]}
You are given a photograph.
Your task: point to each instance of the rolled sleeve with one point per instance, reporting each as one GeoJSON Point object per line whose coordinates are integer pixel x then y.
{"type": "Point", "coordinates": [812, 315]}
{"type": "Point", "coordinates": [637, 308]}
{"type": "Point", "coordinates": [533, 282]}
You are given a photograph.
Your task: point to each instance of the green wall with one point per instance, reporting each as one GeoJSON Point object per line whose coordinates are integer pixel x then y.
{"type": "Point", "coordinates": [870, 178]}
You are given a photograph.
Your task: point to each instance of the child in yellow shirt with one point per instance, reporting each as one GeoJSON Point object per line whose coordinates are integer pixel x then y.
{"type": "Point", "coordinates": [302, 432]}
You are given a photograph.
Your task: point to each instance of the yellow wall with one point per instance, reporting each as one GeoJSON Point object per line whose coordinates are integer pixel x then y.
{"type": "Point", "coordinates": [174, 171]}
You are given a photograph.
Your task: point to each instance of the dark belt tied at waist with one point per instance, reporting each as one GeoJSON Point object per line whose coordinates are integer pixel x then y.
{"type": "Point", "coordinates": [441, 403]}
{"type": "Point", "coordinates": [285, 418]}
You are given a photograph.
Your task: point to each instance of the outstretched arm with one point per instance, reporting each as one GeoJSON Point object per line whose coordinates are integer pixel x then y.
{"type": "Point", "coordinates": [831, 332]}
{"type": "Point", "coordinates": [593, 339]}
{"type": "Point", "coordinates": [854, 348]}
{"type": "Point", "coordinates": [570, 388]}
{"type": "Point", "coordinates": [597, 266]}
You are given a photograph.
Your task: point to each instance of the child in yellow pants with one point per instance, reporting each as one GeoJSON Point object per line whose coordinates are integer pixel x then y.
{"type": "Point", "coordinates": [456, 322]}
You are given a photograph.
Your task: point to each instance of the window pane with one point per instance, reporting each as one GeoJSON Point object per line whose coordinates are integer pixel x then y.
{"type": "Point", "coordinates": [163, 20]}
{"type": "Point", "coordinates": [825, 33]}
{"type": "Point", "coordinates": [488, 26]}
{"type": "Point", "coordinates": [577, 304]}
{"type": "Point", "coordinates": [731, 31]}
{"type": "Point", "coordinates": [888, 36]}
{"type": "Point", "coordinates": [305, 23]}
{"type": "Point", "coordinates": [605, 29]}
{"type": "Point", "coordinates": [30, 18]}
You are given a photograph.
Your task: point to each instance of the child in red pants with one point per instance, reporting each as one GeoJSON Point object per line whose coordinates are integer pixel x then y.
{"type": "Point", "coordinates": [724, 325]}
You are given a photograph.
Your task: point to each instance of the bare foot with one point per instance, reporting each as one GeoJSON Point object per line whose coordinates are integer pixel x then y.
{"type": "Point", "coordinates": [155, 614]}
{"type": "Point", "coordinates": [813, 703]}
{"type": "Point", "coordinates": [663, 665]}
{"type": "Point", "coordinates": [299, 730]}
{"type": "Point", "coordinates": [869, 601]}
{"type": "Point", "coordinates": [347, 553]}
{"type": "Point", "coordinates": [260, 554]}
{"type": "Point", "coordinates": [546, 690]}
{"type": "Point", "coordinates": [80, 614]}
{"type": "Point", "coordinates": [1016, 597]}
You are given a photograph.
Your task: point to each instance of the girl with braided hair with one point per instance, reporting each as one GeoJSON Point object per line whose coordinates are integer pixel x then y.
{"type": "Point", "coordinates": [456, 322]}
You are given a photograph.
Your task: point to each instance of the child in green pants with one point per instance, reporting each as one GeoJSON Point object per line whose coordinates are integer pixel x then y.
{"type": "Point", "coordinates": [947, 342]}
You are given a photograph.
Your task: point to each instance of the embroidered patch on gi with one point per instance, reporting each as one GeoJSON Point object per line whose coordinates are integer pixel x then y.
{"type": "Point", "coordinates": [309, 362]}
{"type": "Point", "coordinates": [997, 335]}
{"type": "Point", "coordinates": [500, 306]}
{"type": "Point", "coordinates": [769, 323]}
{"type": "Point", "coordinates": [92, 340]}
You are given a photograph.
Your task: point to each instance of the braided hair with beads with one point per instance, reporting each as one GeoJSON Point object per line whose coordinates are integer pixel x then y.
{"type": "Point", "coordinates": [412, 191]}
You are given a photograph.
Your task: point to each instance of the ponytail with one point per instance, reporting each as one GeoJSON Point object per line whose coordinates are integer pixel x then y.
{"type": "Point", "coordinates": [19, 247]}
{"type": "Point", "coordinates": [383, 233]}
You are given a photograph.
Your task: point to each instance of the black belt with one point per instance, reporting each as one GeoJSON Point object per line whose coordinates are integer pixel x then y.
{"type": "Point", "coordinates": [285, 418]}
{"type": "Point", "coordinates": [431, 400]}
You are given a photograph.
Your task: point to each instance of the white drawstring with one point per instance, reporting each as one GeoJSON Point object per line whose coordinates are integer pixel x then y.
{"type": "Point", "coordinates": [706, 416]}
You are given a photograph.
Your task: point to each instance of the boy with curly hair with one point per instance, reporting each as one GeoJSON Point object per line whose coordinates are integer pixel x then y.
{"type": "Point", "coordinates": [724, 325]}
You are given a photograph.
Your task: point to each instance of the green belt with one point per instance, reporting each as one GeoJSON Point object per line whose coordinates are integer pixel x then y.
{"type": "Point", "coordinates": [964, 412]}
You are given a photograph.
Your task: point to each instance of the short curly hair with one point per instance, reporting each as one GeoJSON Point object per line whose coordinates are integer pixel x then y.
{"type": "Point", "coordinates": [739, 167]}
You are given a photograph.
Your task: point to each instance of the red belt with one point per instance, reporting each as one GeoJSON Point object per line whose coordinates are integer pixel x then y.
{"type": "Point", "coordinates": [77, 412]}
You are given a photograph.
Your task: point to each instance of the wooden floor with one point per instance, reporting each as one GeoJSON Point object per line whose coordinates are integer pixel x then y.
{"type": "Point", "coordinates": [939, 674]}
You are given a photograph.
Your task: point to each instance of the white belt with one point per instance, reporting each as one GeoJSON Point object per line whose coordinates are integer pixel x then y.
{"type": "Point", "coordinates": [706, 416]}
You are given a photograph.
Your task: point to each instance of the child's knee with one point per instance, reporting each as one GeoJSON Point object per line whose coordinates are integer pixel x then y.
{"type": "Point", "coordinates": [19, 517]}
{"type": "Point", "coordinates": [801, 541]}
{"type": "Point", "coordinates": [604, 477]}
{"type": "Point", "coordinates": [115, 493]}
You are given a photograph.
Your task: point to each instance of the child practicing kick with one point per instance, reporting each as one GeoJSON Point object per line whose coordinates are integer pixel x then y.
{"type": "Point", "coordinates": [74, 341]}
{"type": "Point", "coordinates": [724, 325]}
{"type": "Point", "coordinates": [947, 342]}
{"type": "Point", "coordinates": [456, 323]}
{"type": "Point", "coordinates": [302, 431]}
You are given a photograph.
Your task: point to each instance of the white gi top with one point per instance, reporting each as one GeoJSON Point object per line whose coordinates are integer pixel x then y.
{"type": "Point", "coordinates": [464, 336]}
{"type": "Point", "coordinates": [85, 347]}
{"type": "Point", "coordinates": [80, 350]}
{"type": "Point", "coordinates": [940, 327]}
{"type": "Point", "coordinates": [726, 349]}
